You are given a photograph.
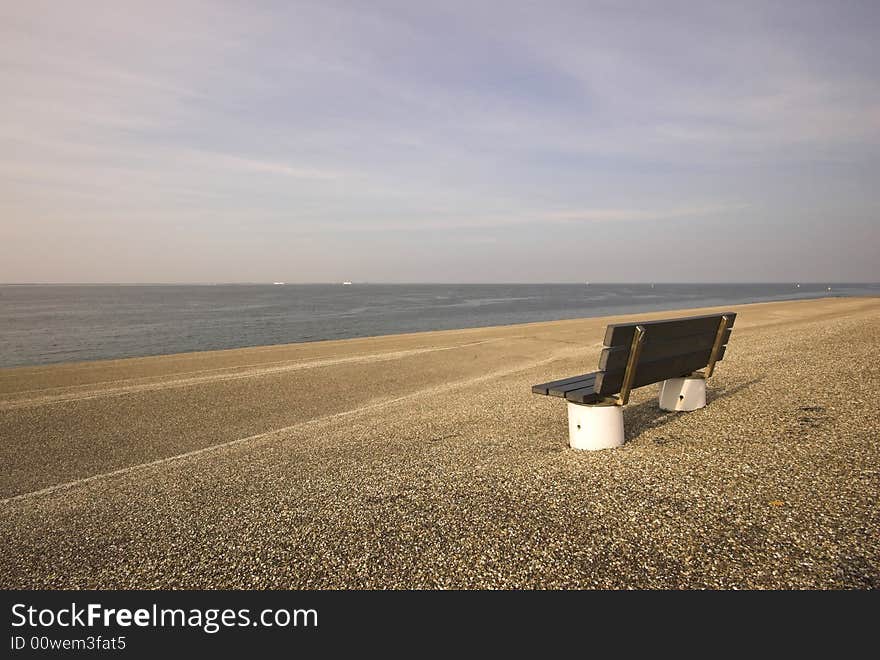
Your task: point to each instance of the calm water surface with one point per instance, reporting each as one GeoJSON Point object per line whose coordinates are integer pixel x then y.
{"type": "Point", "coordinates": [42, 324]}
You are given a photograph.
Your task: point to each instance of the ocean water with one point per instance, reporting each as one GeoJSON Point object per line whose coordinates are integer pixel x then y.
{"type": "Point", "coordinates": [43, 324]}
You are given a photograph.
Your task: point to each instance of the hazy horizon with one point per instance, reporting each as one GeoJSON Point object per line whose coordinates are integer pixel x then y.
{"type": "Point", "coordinates": [43, 324]}
{"type": "Point", "coordinates": [448, 143]}
{"type": "Point", "coordinates": [426, 282]}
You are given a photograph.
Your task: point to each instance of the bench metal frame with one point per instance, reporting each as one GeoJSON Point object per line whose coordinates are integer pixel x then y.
{"type": "Point", "coordinates": [719, 338]}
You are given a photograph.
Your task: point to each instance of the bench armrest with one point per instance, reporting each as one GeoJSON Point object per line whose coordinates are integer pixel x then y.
{"type": "Point", "coordinates": [630, 373]}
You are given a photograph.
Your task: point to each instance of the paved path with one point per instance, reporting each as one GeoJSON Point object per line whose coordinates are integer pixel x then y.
{"type": "Point", "coordinates": [422, 460]}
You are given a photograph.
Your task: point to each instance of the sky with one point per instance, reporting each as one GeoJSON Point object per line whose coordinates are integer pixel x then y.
{"type": "Point", "coordinates": [439, 141]}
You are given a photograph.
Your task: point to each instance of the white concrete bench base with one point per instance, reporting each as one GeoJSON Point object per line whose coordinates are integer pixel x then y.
{"type": "Point", "coordinates": [678, 394]}
{"type": "Point", "coordinates": [595, 426]}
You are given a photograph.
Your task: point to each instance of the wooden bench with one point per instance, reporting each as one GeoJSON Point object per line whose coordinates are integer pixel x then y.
{"type": "Point", "coordinates": [670, 351]}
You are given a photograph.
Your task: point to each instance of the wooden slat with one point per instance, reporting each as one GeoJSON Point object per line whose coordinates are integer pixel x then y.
{"type": "Point", "coordinates": [560, 390]}
{"type": "Point", "coordinates": [609, 382]}
{"type": "Point", "coordinates": [614, 358]}
{"type": "Point", "coordinates": [544, 388]}
{"type": "Point", "coordinates": [621, 334]}
{"type": "Point", "coordinates": [585, 395]}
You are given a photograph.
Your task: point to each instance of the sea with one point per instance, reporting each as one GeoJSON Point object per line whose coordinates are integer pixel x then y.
{"type": "Point", "coordinates": [47, 324]}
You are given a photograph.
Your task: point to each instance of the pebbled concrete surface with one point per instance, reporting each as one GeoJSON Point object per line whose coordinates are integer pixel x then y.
{"type": "Point", "coordinates": [422, 461]}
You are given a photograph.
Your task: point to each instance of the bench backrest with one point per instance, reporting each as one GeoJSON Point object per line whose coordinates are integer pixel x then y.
{"type": "Point", "coordinates": [659, 350]}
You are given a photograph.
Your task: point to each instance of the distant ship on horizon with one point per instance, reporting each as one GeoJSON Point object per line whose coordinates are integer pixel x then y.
{"type": "Point", "coordinates": [346, 283]}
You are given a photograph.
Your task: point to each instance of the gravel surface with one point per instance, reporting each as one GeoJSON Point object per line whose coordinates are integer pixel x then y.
{"type": "Point", "coordinates": [423, 461]}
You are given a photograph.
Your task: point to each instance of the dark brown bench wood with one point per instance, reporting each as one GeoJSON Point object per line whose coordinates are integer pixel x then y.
{"type": "Point", "coordinates": [665, 349]}
{"type": "Point", "coordinates": [614, 358]}
{"type": "Point", "coordinates": [561, 387]}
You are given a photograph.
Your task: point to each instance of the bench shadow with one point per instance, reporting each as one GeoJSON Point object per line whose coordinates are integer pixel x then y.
{"type": "Point", "coordinates": [647, 415]}
{"type": "Point", "coordinates": [713, 393]}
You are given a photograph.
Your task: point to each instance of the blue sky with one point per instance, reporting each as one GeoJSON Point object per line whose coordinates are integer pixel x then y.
{"type": "Point", "coordinates": [420, 141]}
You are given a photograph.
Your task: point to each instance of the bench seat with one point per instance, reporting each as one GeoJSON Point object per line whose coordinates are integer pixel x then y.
{"type": "Point", "coordinates": [578, 389]}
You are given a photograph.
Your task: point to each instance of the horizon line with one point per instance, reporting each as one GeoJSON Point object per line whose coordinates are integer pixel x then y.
{"type": "Point", "coordinates": [426, 282]}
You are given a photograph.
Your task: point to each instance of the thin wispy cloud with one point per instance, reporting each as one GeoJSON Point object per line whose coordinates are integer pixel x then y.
{"type": "Point", "coordinates": [625, 215]}
{"type": "Point", "coordinates": [301, 141]}
{"type": "Point", "coordinates": [264, 166]}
